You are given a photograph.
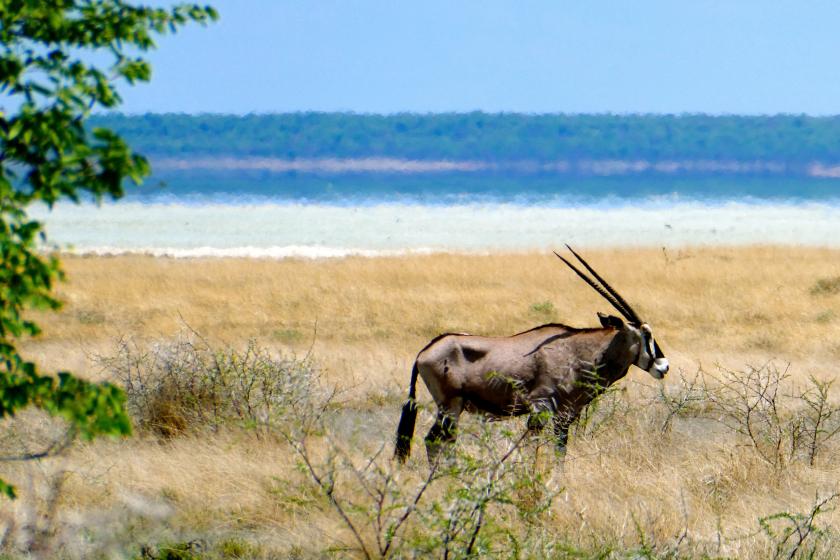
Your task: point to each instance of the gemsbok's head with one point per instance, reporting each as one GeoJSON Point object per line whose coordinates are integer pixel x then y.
{"type": "Point", "coordinates": [649, 356]}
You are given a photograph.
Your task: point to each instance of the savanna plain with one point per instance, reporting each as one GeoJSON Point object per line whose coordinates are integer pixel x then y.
{"type": "Point", "coordinates": [265, 396]}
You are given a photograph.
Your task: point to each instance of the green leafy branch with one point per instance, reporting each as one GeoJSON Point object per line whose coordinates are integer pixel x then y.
{"type": "Point", "coordinates": [47, 154]}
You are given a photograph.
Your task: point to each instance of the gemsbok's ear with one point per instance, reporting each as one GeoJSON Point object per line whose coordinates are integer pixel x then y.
{"type": "Point", "coordinates": [610, 321]}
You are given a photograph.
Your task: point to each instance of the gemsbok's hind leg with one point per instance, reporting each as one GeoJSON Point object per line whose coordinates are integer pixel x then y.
{"type": "Point", "coordinates": [562, 421]}
{"type": "Point", "coordinates": [444, 430]}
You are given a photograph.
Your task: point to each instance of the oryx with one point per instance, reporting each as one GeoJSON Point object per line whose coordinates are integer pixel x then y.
{"type": "Point", "coordinates": [549, 371]}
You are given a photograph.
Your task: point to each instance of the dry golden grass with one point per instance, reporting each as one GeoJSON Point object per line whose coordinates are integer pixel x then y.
{"type": "Point", "coordinates": [368, 317]}
{"type": "Point", "coordinates": [730, 306]}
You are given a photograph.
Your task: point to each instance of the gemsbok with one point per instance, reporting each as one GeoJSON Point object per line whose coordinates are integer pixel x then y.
{"type": "Point", "coordinates": [549, 372]}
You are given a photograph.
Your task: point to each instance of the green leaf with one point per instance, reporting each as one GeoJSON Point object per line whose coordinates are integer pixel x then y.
{"type": "Point", "coordinates": [7, 490]}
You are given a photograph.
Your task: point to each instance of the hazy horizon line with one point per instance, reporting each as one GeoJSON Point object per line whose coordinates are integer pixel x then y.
{"type": "Point", "coordinates": [464, 112]}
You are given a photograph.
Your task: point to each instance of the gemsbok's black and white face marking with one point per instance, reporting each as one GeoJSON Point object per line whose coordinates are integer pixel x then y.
{"type": "Point", "coordinates": [651, 358]}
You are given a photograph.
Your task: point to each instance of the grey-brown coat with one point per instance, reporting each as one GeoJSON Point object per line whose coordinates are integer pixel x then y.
{"type": "Point", "coordinates": [551, 371]}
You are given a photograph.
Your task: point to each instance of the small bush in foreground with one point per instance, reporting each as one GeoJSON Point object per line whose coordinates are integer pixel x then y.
{"type": "Point", "coordinates": [782, 423]}
{"type": "Point", "coordinates": [187, 385]}
{"type": "Point", "coordinates": [797, 535]}
{"type": "Point", "coordinates": [485, 495]}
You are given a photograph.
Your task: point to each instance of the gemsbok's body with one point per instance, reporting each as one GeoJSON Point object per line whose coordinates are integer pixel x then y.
{"type": "Point", "coordinates": [549, 372]}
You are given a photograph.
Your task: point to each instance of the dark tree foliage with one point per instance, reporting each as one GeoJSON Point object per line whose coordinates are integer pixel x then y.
{"type": "Point", "coordinates": [792, 139]}
{"type": "Point", "coordinates": [47, 153]}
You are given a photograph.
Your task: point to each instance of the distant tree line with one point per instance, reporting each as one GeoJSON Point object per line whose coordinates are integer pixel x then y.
{"type": "Point", "coordinates": [790, 139]}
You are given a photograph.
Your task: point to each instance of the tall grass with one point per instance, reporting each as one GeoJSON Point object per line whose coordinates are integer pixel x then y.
{"type": "Point", "coordinates": [733, 456]}
{"type": "Point", "coordinates": [629, 486]}
{"type": "Point", "coordinates": [702, 302]}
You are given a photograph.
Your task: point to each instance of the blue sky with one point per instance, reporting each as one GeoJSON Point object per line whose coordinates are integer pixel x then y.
{"type": "Point", "coordinates": [737, 56]}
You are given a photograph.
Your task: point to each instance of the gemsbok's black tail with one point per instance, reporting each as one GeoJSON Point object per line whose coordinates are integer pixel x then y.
{"type": "Point", "coordinates": [405, 429]}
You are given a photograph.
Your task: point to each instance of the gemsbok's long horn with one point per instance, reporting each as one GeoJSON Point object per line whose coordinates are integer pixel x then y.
{"type": "Point", "coordinates": [629, 315]}
{"type": "Point", "coordinates": [629, 312]}
{"type": "Point", "coordinates": [606, 295]}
